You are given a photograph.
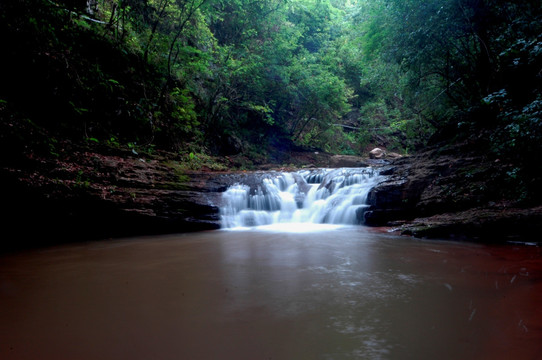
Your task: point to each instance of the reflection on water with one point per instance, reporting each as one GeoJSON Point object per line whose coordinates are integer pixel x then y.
{"type": "Point", "coordinates": [290, 227]}
{"type": "Point", "coordinates": [344, 293]}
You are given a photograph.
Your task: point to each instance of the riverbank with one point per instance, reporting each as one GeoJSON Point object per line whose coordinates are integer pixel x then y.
{"type": "Point", "coordinates": [455, 193]}
{"type": "Point", "coordinates": [93, 191]}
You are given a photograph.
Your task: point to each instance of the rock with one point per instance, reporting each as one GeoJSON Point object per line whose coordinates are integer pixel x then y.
{"type": "Point", "coordinates": [96, 193]}
{"type": "Point", "coordinates": [377, 153]}
{"type": "Point", "coordinates": [450, 193]}
{"type": "Point", "coordinates": [341, 161]}
{"type": "Point", "coordinates": [390, 200]}
{"type": "Point", "coordinates": [393, 155]}
{"type": "Point", "coordinates": [488, 224]}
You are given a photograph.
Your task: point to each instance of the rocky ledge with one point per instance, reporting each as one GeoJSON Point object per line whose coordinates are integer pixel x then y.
{"type": "Point", "coordinates": [436, 194]}
{"type": "Point", "coordinates": [86, 193]}
{"type": "Point", "coordinates": [93, 192]}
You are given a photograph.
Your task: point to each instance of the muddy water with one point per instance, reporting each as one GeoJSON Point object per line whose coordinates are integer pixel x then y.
{"type": "Point", "coordinates": [346, 293]}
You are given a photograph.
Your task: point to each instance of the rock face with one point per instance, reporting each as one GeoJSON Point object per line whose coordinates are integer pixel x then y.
{"type": "Point", "coordinates": [87, 193]}
{"type": "Point", "coordinates": [91, 194]}
{"type": "Point", "coordinates": [341, 161]}
{"type": "Point", "coordinates": [439, 195]}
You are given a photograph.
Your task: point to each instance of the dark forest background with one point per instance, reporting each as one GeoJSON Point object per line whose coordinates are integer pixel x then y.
{"type": "Point", "coordinates": [206, 78]}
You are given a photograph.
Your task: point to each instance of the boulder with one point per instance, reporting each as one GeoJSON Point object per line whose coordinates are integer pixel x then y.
{"type": "Point", "coordinates": [377, 153]}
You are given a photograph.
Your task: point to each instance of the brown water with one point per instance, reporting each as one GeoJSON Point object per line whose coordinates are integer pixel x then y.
{"type": "Point", "coordinates": [340, 294]}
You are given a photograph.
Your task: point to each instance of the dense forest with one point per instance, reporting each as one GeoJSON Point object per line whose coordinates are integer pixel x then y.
{"type": "Point", "coordinates": [221, 77]}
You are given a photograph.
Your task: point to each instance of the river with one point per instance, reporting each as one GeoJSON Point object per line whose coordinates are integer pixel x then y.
{"type": "Point", "coordinates": [330, 292]}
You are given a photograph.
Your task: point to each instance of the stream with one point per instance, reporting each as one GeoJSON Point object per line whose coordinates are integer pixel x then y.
{"type": "Point", "coordinates": [340, 292]}
{"type": "Point", "coordinates": [293, 274]}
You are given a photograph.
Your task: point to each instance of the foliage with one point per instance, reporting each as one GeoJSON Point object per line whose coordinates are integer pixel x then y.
{"type": "Point", "coordinates": [199, 161]}
{"type": "Point", "coordinates": [208, 77]}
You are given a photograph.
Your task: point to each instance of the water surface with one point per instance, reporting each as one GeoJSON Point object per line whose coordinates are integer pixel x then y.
{"type": "Point", "coordinates": [337, 293]}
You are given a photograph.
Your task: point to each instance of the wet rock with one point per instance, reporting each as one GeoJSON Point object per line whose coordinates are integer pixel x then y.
{"type": "Point", "coordinates": [389, 201]}
{"type": "Point", "coordinates": [92, 195]}
{"type": "Point", "coordinates": [87, 193]}
{"type": "Point", "coordinates": [342, 161]}
{"type": "Point", "coordinates": [488, 224]}
{"type": "Point", "coordinates": [449, 193]}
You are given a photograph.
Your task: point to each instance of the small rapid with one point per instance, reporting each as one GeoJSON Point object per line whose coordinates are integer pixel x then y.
{"type": "Point", "coordinates": [322, 196]}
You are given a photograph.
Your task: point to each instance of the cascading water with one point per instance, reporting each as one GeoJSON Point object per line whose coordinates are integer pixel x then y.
{"type": "Point", "coordinates": [324, 196]}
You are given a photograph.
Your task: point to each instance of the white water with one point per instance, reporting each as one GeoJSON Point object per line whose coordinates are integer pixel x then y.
{"type": "Point", "coordinates": [301, 201]}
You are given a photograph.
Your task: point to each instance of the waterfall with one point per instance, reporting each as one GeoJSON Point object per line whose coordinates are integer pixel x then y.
{"type": "Point", "coordinates": [323, 196]}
